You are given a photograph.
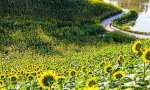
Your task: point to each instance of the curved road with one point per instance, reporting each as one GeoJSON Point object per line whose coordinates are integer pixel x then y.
{"type": "Point", "coordinates": [105, 23]}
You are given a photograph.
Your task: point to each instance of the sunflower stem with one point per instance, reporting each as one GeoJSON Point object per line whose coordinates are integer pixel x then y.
{"type": "Point", "coordinates": [144, 70]}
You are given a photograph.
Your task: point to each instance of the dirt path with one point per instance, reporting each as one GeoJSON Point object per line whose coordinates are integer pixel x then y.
{"type": "Point", "coordinates": [105, 23]}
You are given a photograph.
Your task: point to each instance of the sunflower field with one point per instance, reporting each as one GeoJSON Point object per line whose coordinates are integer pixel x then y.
{"type": "Point", "coordinates": [61, 45]}
{"type": "Point", "coordinates": [111, 66]}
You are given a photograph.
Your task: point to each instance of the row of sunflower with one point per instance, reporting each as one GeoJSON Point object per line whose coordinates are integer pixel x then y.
{"type": "Point", "coordinates": [105, 70]}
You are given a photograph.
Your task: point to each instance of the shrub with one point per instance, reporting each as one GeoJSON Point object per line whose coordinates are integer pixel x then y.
{"type": "Point", "coordinates": [93, 29]}
{"type": "Point", "coordinates": [118, 36]}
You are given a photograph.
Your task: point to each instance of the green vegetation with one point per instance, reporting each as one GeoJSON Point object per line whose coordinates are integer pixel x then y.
{"type": "Point", "coordinates": [47, 44]}
{"type": "Point", "coordinates": [117, 36]}
{"type": "Point", "coordinates": [126, 21]}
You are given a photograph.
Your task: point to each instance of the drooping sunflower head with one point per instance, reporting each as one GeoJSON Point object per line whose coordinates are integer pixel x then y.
{"type": "Point", "coordinates": [108, 69]}
{"type": "Point", "coordinates": [146, 55]}
{"type": "Point", "coordinates": [136, 47]}
{"type": "Point", "coordinates": [72, 72]}
{"type": "Point", "coordinates": [118, 74]}
{"type": "Point", "coordinates": [91, 82]}
{"type": "Point", "coordinates": [47, 80]}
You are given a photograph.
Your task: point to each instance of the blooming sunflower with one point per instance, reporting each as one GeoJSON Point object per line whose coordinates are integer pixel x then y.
{"type": "Point", "coordinates": [47, 80]}
{"type": "Point", "coordinates": [91, 88]}
{"type": "Point", "coordinates": [3, 89]}
{"type": "Point", "coordinates": [83, 68]}
{"type": "Point", "coordinates": [13, 78]}
{"type": "Point", "coordinates": [118, 74]}
{"type": "Point", "coordinates": [72, 72]}
{"type": "Point", "coordinates": [136, 47]}
{"type": "Point", "coordinates": [91, 82]}
{"type": "Point", "coordinates": [30, 78]}
{"type": "Point", "coordinates": [108, 69]}
{"type": "Point", "coordinates": [1, 82]}
{"type": "Point", "coordinates": [146, 55]}
{"type": "Point", "coordinates": [90, 72]}
{"type": "Point", "coordinates": [119, 59]}
{"type": "Point", "coordinates": [61, 79]}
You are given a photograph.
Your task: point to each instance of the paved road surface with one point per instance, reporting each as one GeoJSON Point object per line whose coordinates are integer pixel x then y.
{"type": "Point", "coordinates": [106, 22]}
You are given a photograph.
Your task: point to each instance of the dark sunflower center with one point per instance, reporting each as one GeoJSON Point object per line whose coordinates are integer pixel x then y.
{"type": "Point", "coordinates": [109, 69]}
{"type": "Point", "coordinates": [2, 76]}
{"type": "Point", "coordinates": [73, 73]}
{"type": "Point", "coordinates": [138, 47]}
{"type": "Point", "coordinates": [118, 76]}
{"type": "Point", "coordinates": [148, 55]}
{"type": "Point", "coordinates": [1, 83]}
{"type": "Point", "coordinates": [61, 80]}
{"type": "Point", "coordinates": [91, 83]}
{"type": "Point", "coordinates": [48, 80]}
{"type": "Point", "coordinates": [89, 72]}
{"type": "Point", "coordinates": [30, 78]}
{"type": "Point", "coordinates": [13, 78]}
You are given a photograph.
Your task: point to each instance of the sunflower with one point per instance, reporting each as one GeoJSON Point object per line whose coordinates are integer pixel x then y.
{"type": "Point", "coordinates": [91, 88]}
{"type": "Point", "coordinates": [118, 74]}
{"type": "Point", "coordinates": [108, 69]}
{"type": "Point", "coordinates": [1, 82]}
{"type": "Point", "coordinates": [90, 73]}
{"type": "Point", "coordinates": [47, 80]}
{"type": "Point", "coordinates": [72, 72]}
{"type": "Point", "coordinates": [13, 78]}
{"type": "Point", "coordinates": [136, 47]}
{"type": "Point", "coordinates": [30, 78]}
{"type": "Point", "coordinates": [91, 82]}
{"type": "Point", "coordinates": [61, 79]}
{"type": "Point", "coordinates": [119, 59]}
{"type": "Point", "coordinates": [3, 76]}
{"type": "Point", "coordinates": [83, 68]}
{"type": "Point", "coordinates": [3, 89]}
{"type": "Point", "coordinates": [146, 55]}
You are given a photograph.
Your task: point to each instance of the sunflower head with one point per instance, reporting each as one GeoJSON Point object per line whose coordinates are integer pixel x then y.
{"type": "Point", "coordinates": [146, 55]}
{"type": "Point", "coordinates": [61, 79]}
{"type": "Point", "coordinates": [91, 82]}
{"type": "Point", "coordinates": [108, 69]}
{"type": "Point", "coordinates": [91, 88]}
{"type": "Point", "coordinates": [13, 78]}
{"type": "Point", "coordinates": [47, 80]}
{"type": "Point", "coordinates": [30, 78]}
{"type": "Point", "coordinates": [3, 76]}
{"type": "Point", "coordinates": [72, 72]}
{"type": "Point", "coordinates": [118, 74]}
{"type": "Point", "coordinates": [3, 89]}
{"type": "Point", "coordinates": [83, 68]}
{"type": "Point", "coordinates": [136, 48]}
{"type": "Point", "coordinates": [1, 83]}
{"type": "Point", "coordinates": [90, 72]}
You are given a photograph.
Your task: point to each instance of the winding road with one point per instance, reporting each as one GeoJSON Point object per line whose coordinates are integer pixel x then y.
{"type": "Point", "coordinates": [105, 23]}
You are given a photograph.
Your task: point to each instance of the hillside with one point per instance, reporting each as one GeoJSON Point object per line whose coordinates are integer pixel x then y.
{"type": "Point", "coordinates": [60, 45]}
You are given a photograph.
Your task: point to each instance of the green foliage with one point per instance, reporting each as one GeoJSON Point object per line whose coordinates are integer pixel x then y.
{"type": "Point", "coordinates": [35, 24]}
{"type": "Point", "coordinates": [131, 16]}
{"type": "Point", "coordinates": [118, 36]}
{"type": "Point", "coordinates": [93, 29]}
{"type": "Point", "coordinates": [127, 20]}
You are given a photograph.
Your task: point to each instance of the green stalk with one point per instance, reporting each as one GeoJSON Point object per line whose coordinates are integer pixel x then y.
{"type": "Point", "coordinates": [144, 70]}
